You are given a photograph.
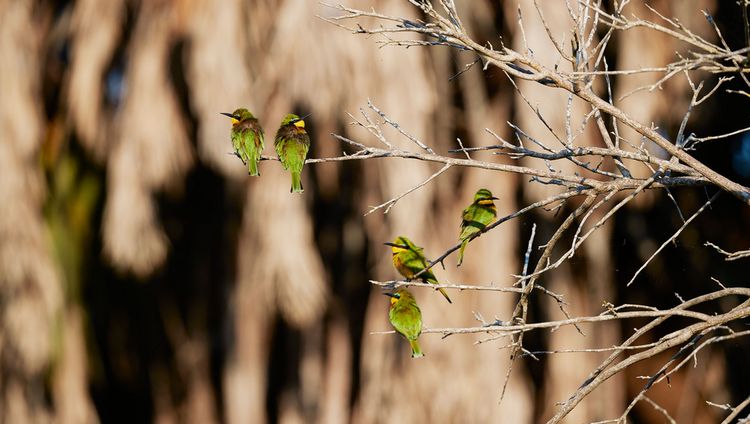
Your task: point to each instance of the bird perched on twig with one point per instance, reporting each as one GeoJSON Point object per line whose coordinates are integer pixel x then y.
{"type": "Point", "coordinates": [292, 144]}
{"type": "Point", "coordinates": [247, 138]}
{"type": "Point", "coordinates": [479, 214]}
{"type": "Point", "coordinates": [406, 318]}
{"type": "Point", "coordinates": [409, 260]}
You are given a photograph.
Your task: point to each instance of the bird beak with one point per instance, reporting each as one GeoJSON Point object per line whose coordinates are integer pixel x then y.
{"type": "Point", "coordinates": [390, 295]}
{"type": "Point", "coordinates": [400, 246]}
{"type": "Point", "coordinates": [302, 118]}
{"type": "Point", "coordinates": [228, 114]}
{"type": "Point", "coordinates": [494, 198]}
{"type": "Point", "coordinates": [300, 122]}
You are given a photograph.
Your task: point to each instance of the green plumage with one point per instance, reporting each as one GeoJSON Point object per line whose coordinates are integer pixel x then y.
{"type": "Point", "coordinates": [406, 318]}
{"type": "Point", "coordinates": [475, 217]}
{"type": "Point", "coordinates": [247, 139]}
{"type": "Point", "coordinates": [409, 260]}
{"type": "Point", "coordinates": [292, 144]}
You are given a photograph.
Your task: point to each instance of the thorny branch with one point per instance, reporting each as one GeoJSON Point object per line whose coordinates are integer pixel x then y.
{"type": "Point", "coordinates": [442, 31]}
{"type": "Point", "coordinates": [606, 186]}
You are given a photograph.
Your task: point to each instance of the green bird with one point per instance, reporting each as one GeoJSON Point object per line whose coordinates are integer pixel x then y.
{"type": "Point", "coordinates": [247, 138]}
{"type": "Point", "coordinates": [409, 260]}
{"type": "Point", "coordinates": [406, 318]}
{"type": "Point", "coordinates": [479, 214]}
{"type": "Point", "coordinates": [292, 144]}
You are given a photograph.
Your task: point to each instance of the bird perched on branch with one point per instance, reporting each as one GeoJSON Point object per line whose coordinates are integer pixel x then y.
{"type": "Point", "coordinates": [406, 318]}
{"type": "Point", "coordinates": [247, 138]}
{"type": "Point", "coordinates": [409, 260]}
{"type": "Point", "coordinates": [479, 214]}
{"type": "Point", "coordinates": [292, 144]}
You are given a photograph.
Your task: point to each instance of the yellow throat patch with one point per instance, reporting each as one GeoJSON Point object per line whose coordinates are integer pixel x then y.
{"type": "Point", "coordinates": [300, 124]}
{"type": "Point", "coordinates": [397, 249]}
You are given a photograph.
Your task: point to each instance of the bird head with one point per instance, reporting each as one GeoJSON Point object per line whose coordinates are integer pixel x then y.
{"type": "Point", "coordinates": [399, 245]}
{"type": "Point", "coordinates": [399, 294]}
{"type": "Point", "coordinates": [394, 297]}
{"type": "Point", "coordinates": [484, 197]}
{"type": "Point", "coordinates": [292, 119]}
{"type": "Point", "coordinates": [238, 115]}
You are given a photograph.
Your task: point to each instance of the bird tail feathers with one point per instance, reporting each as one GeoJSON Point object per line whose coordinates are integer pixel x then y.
{"type": "Point", "coordinates": [297, 183]}
{"type": "Point", "coordinates": [445, 295]}
{"type": "Point", "coordinates": [252, 167]}
{"type": "Point", "coordinates": [416, 352]}
{"type": "Point", "coordinates": [461, 252]}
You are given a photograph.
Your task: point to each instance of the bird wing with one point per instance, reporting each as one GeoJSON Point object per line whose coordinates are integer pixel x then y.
{"type": "Point", "coordinates": [296, 152]}
{"type": "Point", "coordinates": [250, 129]}
{"type": "Point", "coordinates": [250, 140]}
{"type": "Point", "coordinates": [238, 138]}
{"type": "Point", "coordinates": [466, 215]}
{"type": "Point", "coordinates": [417, 259]}
{"type": "Point", "coordinates": [475, 218]}
{"type": "Point", "coordinates": [278, 144]}
{"type": "Point", "coordinates": [407, 320]}
{"type": "Point", "coordinates": [416, 264]}
{"type": "Point", "coordinates": [292, 147]}
{"type": "Point", "coordinates": [258, 136]}
{"type": "Point", "coordinates": [469, 224]}
{"type": "Point", "coordinates": [254, 143]}
{"type": "Point", "coordinates": [416, 249]}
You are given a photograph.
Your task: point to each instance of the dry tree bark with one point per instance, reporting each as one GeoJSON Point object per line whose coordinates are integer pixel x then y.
{"type": "Point", "coordinates": [29, 282]}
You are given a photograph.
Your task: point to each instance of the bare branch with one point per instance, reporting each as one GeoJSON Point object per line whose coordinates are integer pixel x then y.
{"type": "Point", "coordinates": [674, 236]}
{"type": "Point", "coordinates": [390, 203]}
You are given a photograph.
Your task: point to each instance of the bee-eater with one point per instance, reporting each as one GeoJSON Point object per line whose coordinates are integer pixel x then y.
{"type": "Point", "coordinates": [292, 144]}
{"type": "Point", "coordinates": [406, 318]}
{"type": "Point", "coordinates": [247, 138]}
{"type": "Point", "coordinates": [479, 214]}
{"type": "Point", "coordinates": [409, 260]}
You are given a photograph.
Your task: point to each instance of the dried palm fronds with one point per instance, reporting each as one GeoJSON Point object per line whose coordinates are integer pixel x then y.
{"type": "Point", "coordinates": [151, 151]}
{"type": "Point", "coordinates": [29, 284]}
{"type": "Point", "coordinates": [96, 28]}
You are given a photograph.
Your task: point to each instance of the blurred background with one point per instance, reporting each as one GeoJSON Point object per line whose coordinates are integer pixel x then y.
{"type": "Point", "coordinates": [145, 278]}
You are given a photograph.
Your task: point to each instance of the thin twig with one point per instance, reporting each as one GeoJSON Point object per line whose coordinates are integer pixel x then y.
{"type": "Point", "coordinates": [390, 203]}
{"type": "Point", "coordinates": [674, 236]}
